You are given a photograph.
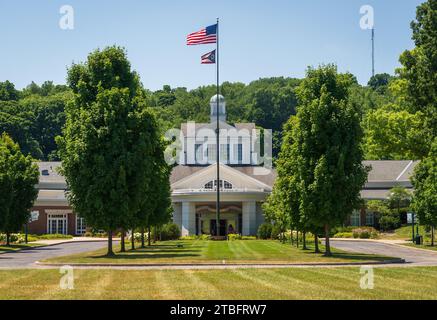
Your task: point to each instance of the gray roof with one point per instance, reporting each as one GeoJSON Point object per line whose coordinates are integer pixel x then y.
{"type": "Point", "coordinates": [238, 126]}
{"type": "Point", "coordinates": [391, 170]}
{"type": "Point", "coordinates": [383, 176]}
{"type": "Point", "coordinates": [180, 172]}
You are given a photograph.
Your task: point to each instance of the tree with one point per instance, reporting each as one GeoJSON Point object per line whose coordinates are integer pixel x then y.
{"type": "Point", "coordinates": [7, 91]}
{"type": "Point", "coordinates": [18, 177]}
{"type": "Point", "coordinates": [419, 67]}
{"type": "Point", "coordinates": [107, 146]}
{"type": "Point", "coordinates": [379, 81]}
{"type": "Point", "coordinates": [394, 134]}
{"type": "Point", "coordinates": [399, 198]}
{"type": "Point", "coordinates": [425, 185]}
{"type": "Point", "coordinates": [328, 149]}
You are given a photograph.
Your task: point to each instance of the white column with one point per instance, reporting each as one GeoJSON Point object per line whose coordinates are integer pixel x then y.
{"type": "Point", "coordinates": [177, 214]}
{"type": "Point", "coordinates": [249, 218]}
{"type": "Point", "coordinates": [188, 218]}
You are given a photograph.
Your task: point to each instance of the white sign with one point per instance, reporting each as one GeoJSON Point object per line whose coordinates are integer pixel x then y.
{"type": "Point", "coordinates": [34, 216]}
{"type": "Point", "coordinates": [410, 217]}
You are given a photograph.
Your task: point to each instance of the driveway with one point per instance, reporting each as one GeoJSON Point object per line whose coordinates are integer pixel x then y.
{"type": "Point", "coordinates": [412, 256]}
{"type": "Point", "coordinates": [27, 258]}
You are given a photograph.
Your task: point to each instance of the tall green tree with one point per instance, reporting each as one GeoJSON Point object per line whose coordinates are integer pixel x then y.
{"type": "Point", "coordinates": [107, 148]}
{"type": "Point", "coordinates": [425, 185]}
{"type": "Point", "coordinates": [18, 178]}
{"type": "Point", "coordinates": [8, 91]}
{"type": "Point", "coordinates": [328, 149]}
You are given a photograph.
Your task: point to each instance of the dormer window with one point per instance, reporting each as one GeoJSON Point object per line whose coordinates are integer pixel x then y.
{"type": "Point", "coordinates": [213, 185]}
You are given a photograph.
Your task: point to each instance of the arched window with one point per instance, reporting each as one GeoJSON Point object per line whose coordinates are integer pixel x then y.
{"type": "Point", "coordinates": [213, 185]}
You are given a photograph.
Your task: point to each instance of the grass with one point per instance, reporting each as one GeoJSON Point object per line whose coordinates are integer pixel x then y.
{"type": "Point", "coordinates": [423, 246]}
{"type": "Point", "coordinates": [290, 283]}
{"type": "Point", "coordinates": [17, 247]}
{"type": "Point", "coordinates": [403, 233]}
{"type": "Point", "coordinates": [200, 251]}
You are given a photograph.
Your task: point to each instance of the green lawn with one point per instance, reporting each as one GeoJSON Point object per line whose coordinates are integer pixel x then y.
{"type": "Point", "coordinates": [16, 247]}
{"type": "Point", "coordinates": [423, 246]}
{"type": "Point", "coordinates": [199, 251]}
{"type": "Point", "coordinates": [403, 233]}
{"type": "Point", "coordinates": [290, 283]}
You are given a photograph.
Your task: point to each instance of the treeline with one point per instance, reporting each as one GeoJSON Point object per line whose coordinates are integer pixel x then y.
{"type": "Point", "coordinates": [34, 116]}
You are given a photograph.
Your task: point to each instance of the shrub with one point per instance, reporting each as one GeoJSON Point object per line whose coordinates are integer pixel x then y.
{"type": "Point", "coordinates": [188, 238]}
{"type": "Point", "coordinates": [194, 237]}
{"type": "Point", "coordinates": [234, 236]}
{"type": "Point", "coordinates": [248, 238]}
{"type": "Point", "coordinates": [54, 236]}
{"type": "Point", "coordinates": [343, 235]}
{"type": "Point", "coordinates": [265, 231]}
{"type": "Point", "coordinates": [170, 231]}
{"type": "Point", "coordinates": [204, 237]}
{"type": "Point", "coordinates": [389, 222]}
{"type": "Point", "coordinates": [137, 236]}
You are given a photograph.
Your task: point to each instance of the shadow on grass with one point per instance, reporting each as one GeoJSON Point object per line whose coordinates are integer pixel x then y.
{"type": "Point", "coordinates": [14, 247]}
{"type": "Point", "coordinates": [155, 252]}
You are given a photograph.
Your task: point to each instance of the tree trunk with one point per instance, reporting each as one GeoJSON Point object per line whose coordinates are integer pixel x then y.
{"type": "Point", "coordinates": [133, 240]}
{"type": "Point", "coordinates": [316, 244]}
{"type": "Point", "coordinates": [148, 236]}
{"type": "Point", "coordinates": [8, 239]}
{"type": "Point", "coordinates": [304, 241]}
{"type": "Point", "coordinates": [110, 251]}
{"type": "Point", "coordinates": [327, 244]}
{"type": "Point", "coordinates": [155, 234]}
{"type": "Point", "coordinates": [142, 238]}
{"type": "Point", "coordinates": [122, 243]}
{"type": "Point", "coordinates": [297, 238]}
{"type": "Point", "coordinates": [432, 236]}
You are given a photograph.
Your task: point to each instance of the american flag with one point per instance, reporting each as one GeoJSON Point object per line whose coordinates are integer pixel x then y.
{"type": "Point", "coordinates": [204, 36]}
{"type": "Point", "coordinates": [208, 58]}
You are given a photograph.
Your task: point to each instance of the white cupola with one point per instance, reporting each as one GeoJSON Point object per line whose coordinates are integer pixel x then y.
{"type": "Point", "coordinates": [222, 108]}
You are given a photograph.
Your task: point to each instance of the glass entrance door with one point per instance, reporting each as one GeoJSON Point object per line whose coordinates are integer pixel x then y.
{"type": "Point", "coordinates": [57, 224]}
{"type": "Point", "coordinates": [213, 224]}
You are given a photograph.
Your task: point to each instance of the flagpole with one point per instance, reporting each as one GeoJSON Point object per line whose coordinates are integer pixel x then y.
{"type": "Point", "coordinates": [218, 137]}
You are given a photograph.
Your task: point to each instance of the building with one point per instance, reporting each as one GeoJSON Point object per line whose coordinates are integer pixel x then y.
{"type": "Point", "coordinates": [243, 182]}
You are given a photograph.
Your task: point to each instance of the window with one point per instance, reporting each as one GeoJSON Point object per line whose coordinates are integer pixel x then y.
{"type": "Point", "coordinates": [226, 184]}
{"type": "Point", "coordinates": [80, 225]}
{"type": "Point", "coordinates": [355, 219]}
{"type": "Point", "coordinates": [211, 153]}
{"type": "Point", "coordinates": [224, 152]}
{"type": "Point", "coordinates": [57, 224]}
{"type": "Point", "coordinates": [238, 153]}
{"type": "Point", "coordinates": [198, 155]}
{"type": "Point", "coordinates": [370, 218]}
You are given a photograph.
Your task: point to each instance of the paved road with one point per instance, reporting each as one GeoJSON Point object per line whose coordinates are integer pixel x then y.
{"type": "Point", "coordinates": [27, 258]}
{"type": "Point", "coordinates": [413, 257]}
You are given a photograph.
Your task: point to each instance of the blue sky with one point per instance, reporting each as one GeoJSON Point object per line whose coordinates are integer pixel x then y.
{"type": "Point", "coordinates": [257, 38]}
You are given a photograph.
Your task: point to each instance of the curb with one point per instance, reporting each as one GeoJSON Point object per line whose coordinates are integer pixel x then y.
{"type": "Point", "coordinates": [91, 265]}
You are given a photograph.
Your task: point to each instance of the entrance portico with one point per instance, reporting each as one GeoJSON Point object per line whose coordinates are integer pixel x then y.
{"type": "Point", "coordinates": [241, 198]}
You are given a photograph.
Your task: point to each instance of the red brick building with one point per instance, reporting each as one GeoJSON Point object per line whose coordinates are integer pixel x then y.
{"type": "Point", "coordinates": [52, 213]}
